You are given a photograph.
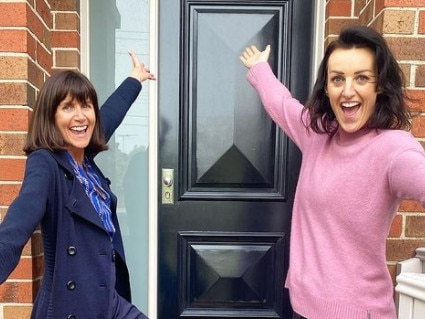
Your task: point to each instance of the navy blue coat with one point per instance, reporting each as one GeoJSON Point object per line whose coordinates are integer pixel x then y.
{"type": "Point", "coordinates": [82, 266]}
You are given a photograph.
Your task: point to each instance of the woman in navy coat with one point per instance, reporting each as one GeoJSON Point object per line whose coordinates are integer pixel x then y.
{"type": "Point", "coordinates": [85, 274]}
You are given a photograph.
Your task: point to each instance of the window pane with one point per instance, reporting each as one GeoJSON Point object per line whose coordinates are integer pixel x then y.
{"type": "Point", "coordinates": [117, 26]}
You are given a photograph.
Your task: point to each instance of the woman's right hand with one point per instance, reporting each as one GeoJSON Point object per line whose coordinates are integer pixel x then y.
{"type": "Point", "coordinates": [140, 71]}
{"type": "Point", "coordinates": [251, 56]}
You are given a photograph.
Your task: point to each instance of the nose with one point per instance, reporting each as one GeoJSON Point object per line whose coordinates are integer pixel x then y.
{"type": "Point", "coordinates": [78, 111]}
{"type": "Point", "coordinates": [348, 89]}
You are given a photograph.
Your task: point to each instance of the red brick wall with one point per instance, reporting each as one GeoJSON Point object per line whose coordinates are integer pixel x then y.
{"type": "Point", "coordinates": [402, 22]}
{"type": "Point", "coordinates": [36, 36]}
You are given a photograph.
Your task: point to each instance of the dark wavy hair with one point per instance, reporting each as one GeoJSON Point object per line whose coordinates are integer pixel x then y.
{"type": "Point", "coordinates": [43, 132]}
{"type": "Point", "coordinates": [391, 110]}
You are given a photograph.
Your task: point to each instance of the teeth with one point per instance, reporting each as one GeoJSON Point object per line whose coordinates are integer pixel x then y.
{"type": "Point", "coordinates": [352, 104]}
{"type": "Point", "coordinates": [79, 128]}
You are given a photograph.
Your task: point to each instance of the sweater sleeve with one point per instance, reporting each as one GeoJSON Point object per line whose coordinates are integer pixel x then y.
{"type": "Point", "coordinates": [278, 102]}
{"type": "Point", "coordinates": [407, 175]}
{"type": "Point", "coordinates": [25, 212]}
{"type": "Point", "coordinates": [117, 105]}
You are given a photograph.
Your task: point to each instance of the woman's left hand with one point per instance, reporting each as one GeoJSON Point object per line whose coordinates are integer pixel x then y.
{"type": "Point", "coordinates": [140, 71]}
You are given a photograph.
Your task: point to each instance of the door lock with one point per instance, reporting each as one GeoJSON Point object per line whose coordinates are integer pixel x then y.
{"type": "Point", "coordinates": [168, 186]}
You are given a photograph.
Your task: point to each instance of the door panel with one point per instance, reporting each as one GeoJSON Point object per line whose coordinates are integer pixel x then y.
{"type": "Point", "coordinates": [224, 240]}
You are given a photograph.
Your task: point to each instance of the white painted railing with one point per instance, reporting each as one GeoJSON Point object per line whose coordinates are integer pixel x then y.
{"type": "Point", "coordinates": [410, 287]}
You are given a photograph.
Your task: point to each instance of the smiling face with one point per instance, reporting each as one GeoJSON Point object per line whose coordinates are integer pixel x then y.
{"type": "Point", "coordinates": [75, 121]}
{"type": "Point", "coordinates": [351, 87]}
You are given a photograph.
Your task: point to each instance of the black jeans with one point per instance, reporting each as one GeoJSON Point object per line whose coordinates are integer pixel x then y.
{"type": "Point", "coordinates": [297, 316]}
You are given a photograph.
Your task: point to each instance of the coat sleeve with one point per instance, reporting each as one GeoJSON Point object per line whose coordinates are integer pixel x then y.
{"type": "Point", "coordinates": [26, 211]}
{"type": "Point", "coordinates": [116, 106]}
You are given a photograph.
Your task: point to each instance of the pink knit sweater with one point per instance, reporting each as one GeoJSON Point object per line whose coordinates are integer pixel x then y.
{"type": "Point", "coordinates": [349, 189]}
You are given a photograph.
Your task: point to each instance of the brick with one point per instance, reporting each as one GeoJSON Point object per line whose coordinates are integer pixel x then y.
{"type": "Point", "coordinates": [11, 291]}
{"type": "Point", "coordinates": [13, 14]}
{"type": "Point", "coordinates": [36, 76]}
{"type": "Point", "coordinates": [12, 169]}
{"type": "Point", "coordinates": [37, 266]}
{"type": "Point", "coordinates": [410, 206]}
{"type": "Point", "coordinates": [367, 15]}
{"type": "Point", "coordinates": [14, 119]}
{"type": "Point", "coordinates": [65, 39]}
{"type": "Point", "coordinates": [379, 6]}
{"type": "Point", "coordinates": [405, 68]}
{"type": "Point", "coordinates": [340, 8]}
{"type": "Point", "coordinates": [334, 26]}
{"type": "Point", "coordinates": [401, 249]}
{"type": "Point", "coordinates": [37, 26]}
{"type": "Point", "coordinates": [44, 58]}
{"type": "Point", "coordinates": [65, 5]}
{"type": "Point", "coordinates": [44, 12]}
{"type": "Point", "coordinates": [404, 3]}
{"type": "Point", "coordinates": [358, 7]}
{"type": "Point", "coordinates": [67, 21]}
{"type": "Point", "coordinates": [421, 27]}
{"type": "Point", "coordinates": [415, 226]}
{"type": "Point", "coordinates": [13, 40]}
{"type": "Point", "coordinates": [399, 21]}
{"type": "Point", "coordinates": [2, 213]}
{"type": "Point", "coordinates": [418, 127]}
{"type": "Point", "coordinates": [17, 93]}
{"type": "Point", "coordinates": [407, 48]}
{"type": "Point", "coordinates": [12, 144]}
{"type": "Point", "coordinates": [420, 76]}
{"type": "Point", "coordinates": [16, 312]}
{"type": "Point", "coordinates": [23, 270]}
{"type": "Point", "coordinates": [392, 269]}
{"type": "Point", "coordinates": [378, 22]}
{"type": "Point", "coordinates": [396, 226]}
{"type": "Point", "coordinates": [35, 245]}
{"type": "Point", "coordinates": [417, 103]}
{"type": "Point", "coordinates": [8, 193]}
{"type": "Point", "coordinates": [15, 68]}
{"type": "Point", "coordinates": [67, 58]}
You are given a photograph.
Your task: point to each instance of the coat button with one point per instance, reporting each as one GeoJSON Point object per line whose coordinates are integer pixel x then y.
{"type": "Point", "coordinates": [71, 317]}
{"type": "Point", "coordinates": [70, 285]}
{"type": "Point", "coordinates": [113, 255]}
{"type": "Point", "coordinates": [69, 175]}
{"type": "Point", "coordinates": [72, 250]}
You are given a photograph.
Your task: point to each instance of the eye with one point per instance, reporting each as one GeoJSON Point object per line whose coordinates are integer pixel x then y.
{"type": "Point", "coordinates": [87, 105]}
{"type": "Point", "coordinates": [362, 79]}
{"type": "Point", "coordinates": [338, 80]}
{"type": "Point", "coordinates": [67, 107]}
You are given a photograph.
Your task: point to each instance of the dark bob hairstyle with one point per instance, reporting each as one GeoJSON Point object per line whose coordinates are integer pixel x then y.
{"type": "Point", "coordinates": [391, 110]}
{"type": "Point", "coordinates": [43, 132]}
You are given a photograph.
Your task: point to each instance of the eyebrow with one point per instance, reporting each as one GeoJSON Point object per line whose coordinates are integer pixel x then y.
{"type": "Point", "coordinates": [357, 72]}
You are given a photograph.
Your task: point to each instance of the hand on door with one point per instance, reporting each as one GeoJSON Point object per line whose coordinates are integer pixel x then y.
{"type": "Point", "coordinates": [140, 71]}
{"type": "Point", "coordinates": [251, 55]}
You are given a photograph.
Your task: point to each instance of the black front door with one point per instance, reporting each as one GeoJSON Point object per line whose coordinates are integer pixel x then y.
{"type": "Point", "coordinates": [227, 173]}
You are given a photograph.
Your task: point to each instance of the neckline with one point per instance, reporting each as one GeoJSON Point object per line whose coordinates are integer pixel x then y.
{"type": "Point", "coordinates": [364, 134]}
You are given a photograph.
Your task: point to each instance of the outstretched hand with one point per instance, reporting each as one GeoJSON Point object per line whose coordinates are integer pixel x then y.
{"type": "Point", "coordinates": [140, 72]}
{"type": "Point", "coordinates": [251, 55]}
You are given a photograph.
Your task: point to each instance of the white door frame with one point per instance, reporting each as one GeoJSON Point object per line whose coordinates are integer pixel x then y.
{"type": "Point", "coordinates": [319, 26]}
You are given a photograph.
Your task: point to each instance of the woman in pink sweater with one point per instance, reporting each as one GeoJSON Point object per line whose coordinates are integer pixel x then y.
{"type": "Point", "coordinates": [359, 162]}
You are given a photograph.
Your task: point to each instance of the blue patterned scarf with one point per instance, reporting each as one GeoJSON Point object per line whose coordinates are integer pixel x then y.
{"type": "Point", "coordinates": [100, 198]}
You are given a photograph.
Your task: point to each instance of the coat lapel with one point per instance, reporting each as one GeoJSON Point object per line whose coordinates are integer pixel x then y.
{"type": "Point", "coordinates": [78, 202]}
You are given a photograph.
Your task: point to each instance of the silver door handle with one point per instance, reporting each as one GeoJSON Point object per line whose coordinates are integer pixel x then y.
{"type": "Point", "coordinates": [167, 186]}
